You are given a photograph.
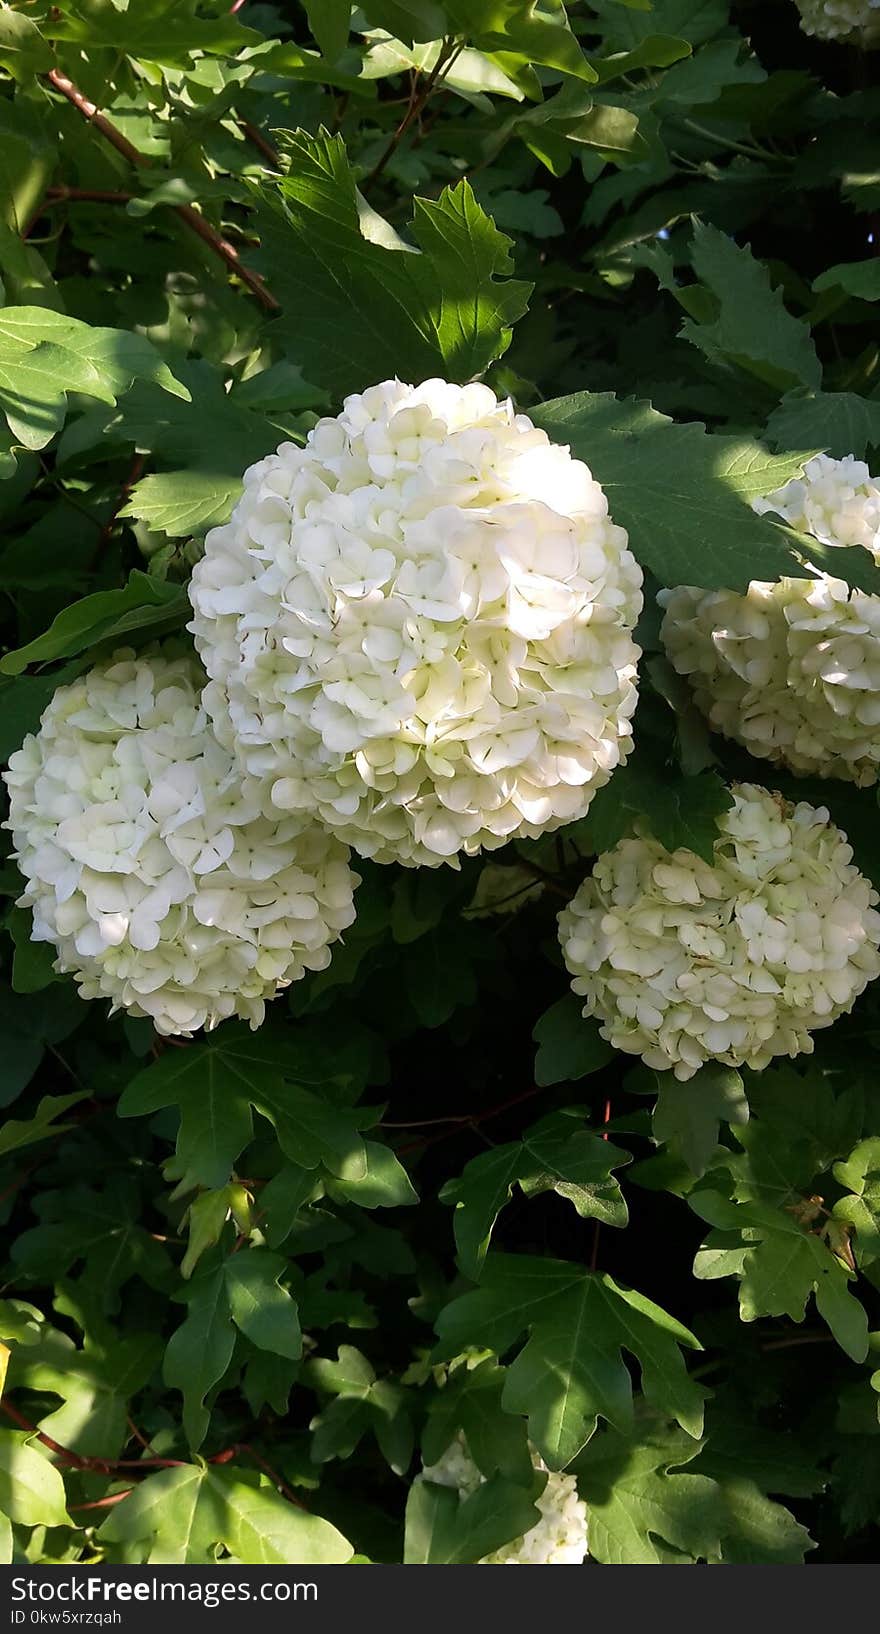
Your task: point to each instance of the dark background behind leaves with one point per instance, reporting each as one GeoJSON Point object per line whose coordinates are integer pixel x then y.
{"type": "Point", "coordinates": [306, 1253]}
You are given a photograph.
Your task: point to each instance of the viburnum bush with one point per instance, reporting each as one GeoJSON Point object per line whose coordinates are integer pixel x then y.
{"type": "Point", "coordinates": [440, 702]}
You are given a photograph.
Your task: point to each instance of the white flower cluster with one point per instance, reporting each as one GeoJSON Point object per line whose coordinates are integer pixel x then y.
{"type": "Point", "coordinates": [837, 501]}
{"type": "Point", "coordinates": [559, 1538]}
{"type": "Point", "coordinates": [855, 21]}
{"type": "Point", "coordinates": [792, 669]}
{"type": "Point", "coordinates": [149, 863]}
{"type": "Point", "coordinates": [738, 962]}
{"type": "Point", "coordinates": [419, 626]}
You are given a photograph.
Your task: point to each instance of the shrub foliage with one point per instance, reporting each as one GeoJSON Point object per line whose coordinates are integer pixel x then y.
{"type": "Point", "coordinates": [254, 1281]}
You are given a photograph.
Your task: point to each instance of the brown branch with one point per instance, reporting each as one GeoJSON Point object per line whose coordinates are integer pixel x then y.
{"type": "Point", "coordinates": [185, 212]}
{"type": "Point", "coordinates": [260, 142]}
{"type": "Point", "coordinates": [472, 1119]}
{"type": "Point", "coordinates": [274, 1477]}
{"type": "Point", "coordinates": [109, 1466]}
{"type": "Point", "coordinates": [103, 1503]}
{"type": "Point", "coordinates": [799, 1339]}
{"type": "Point", "coordinates": [137, 1434]}
{"type": "Point", "coordinates": [95, 1466]}
{"type": "Point", "coordinates": [418, 99]}
{"type": "Point", "coordinates": [549, 881]}
{"type": "Point", "coordinates": [228, 253]}
{"type": "Point", "coordinates": [64, 1453]}
{"type": "Point", "coordinates": [93, 114]}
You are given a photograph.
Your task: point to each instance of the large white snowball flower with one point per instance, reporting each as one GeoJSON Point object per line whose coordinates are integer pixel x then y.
{"type": "Point", "coordinates": [418, 627]}
{"type": "Point", "coordinates": [857, 22]}
{"type": "Point", "coordinates": [149, 863]}
{"type": "Point", "coordinates": [836, 501]}
{"type": "Point", "coordinates": [792, 669]}
{"type": "Point", "coordinates": [559, 1538]}
{"type": "Point", "coordinates": [738, 962]}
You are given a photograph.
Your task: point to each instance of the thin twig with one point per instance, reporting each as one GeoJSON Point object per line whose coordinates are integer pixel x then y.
{"type": "Point", "coordinates": [448, 52]}
{"type": "Point", "coordinates": [470, 1119]}
{"type": "Point", "coordinates": [137, 1435]}
{"type": "Point", "coordinates": [260, 142]}
{"type": "Point", "coordinates": [251, 1452]}
{"type": "Point", "coordinates": [799, 1339]}
{"type": "Point", "coordinates": [103, 1503]}
{"type": "Point", "coordinates": [549, 881]}
{"type": "Point", "coordinates": [80, 1461]}
{"type": "Point", "coordinates": [185, 212]}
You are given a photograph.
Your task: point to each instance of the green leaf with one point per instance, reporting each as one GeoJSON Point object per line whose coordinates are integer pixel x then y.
{"type": "Point", "coordinates": [215, 1084]}
{"type": "Point", "coordinates": [760, 1532]}
{"type": "Point", "coordinates": [176, 1510]}
{"type": "Point", "coordinates": [386, 1183]}
{"type": "Point", "coordinates": [22, 1054]}
{"type": "Point", "coordinates": [259, 1306]}
{"type": "Point", "coordinates": [23, 51]}
{"type": "Point", "coordinates": [22, 702]}
{"type": "Point", "coordinates": [361, 1403]}
{"type": "Point", "coordinates": [356, 310]}
{"type": "Point", "coordinates": [206, 442]}
{"type": "Point", "coordinates": [693, 20]}
{"type": "Point", "coordinates": [45, 354]}
{"type": "Point", "coordinates": [95, 1383]}
{"type": "Point", "coordinates": [285, 1195]}
{"type": "Point", "coordinates": [571, 1371]}
{"type": "Point", "coordinates": [443, 1529]}
{"type": "Point", "coordinates": [837, 421]}
{"type": "Point", "coordinates": [409, 20]}
{"type": "Point", "coordinates": [200, 1351]}
{"type": "Point", "coordinates": [553, 1156]}
{"type": "Point", "coordinates": [185, 1513]}
{"type": "Point", "coordinates": [861, 1210]}
{"type": "Point", "coordinates": [329, 22]}
{"type": "Point", "coordinates": [647, 1508]}
{"type": "Point", "coordinates": [31, 1489]}
{"type": "Point", "coordinates": [569, 1046]}
{"type": "Point", "coordinates": [18, 1132]}
{"type": "Point", "coordinates": [781, 1265]}
{"type": "Point", "coordinates": [680, 812]}
{"type": "Point", "coordinates": [33, 963]}
{"type": "Point", "coordinates": [687, 1115]}
{"type": "Point", "coordinates": [708, 73]}
{"type": "Point", "coordinates": [753, 327]}
{"type": "Point", "coordinates": [180, 503]}
{"type": "Point", "coordinates": [470, 1402]}
{"type": "Point", "coordinates": [654, 51]}
{"type": "Point", "coordinates": [25, 275]}
{"type": "Point", "coordinates": [540, 40]}
{"type": "Point", "coordinates": [206, 1218]}
{"type": "Point", "coordinates": [263, 1529]}
{"type": "Point", "coordinates": [673, 487]}
{"type": "Point", "coordinates": [859, 278]}
{"type": "Point", "coordinates": [99, 1227]}
{"type": "Point", "coordinates": [641, 1507]}
{"type": "Point", "coordinates": [19, 1322]}
{"type": "Point", "coordinates": [160, 31]}
{"type": "Point", "coordinates": [439, 976]}
{"type": "Point", "coordinates": [143, 605]}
